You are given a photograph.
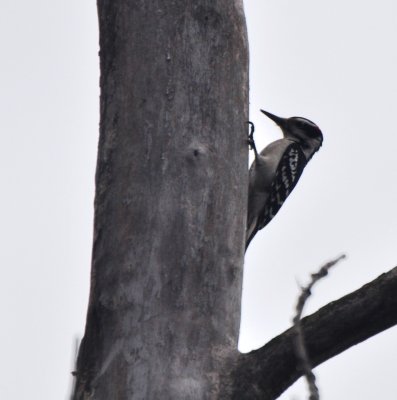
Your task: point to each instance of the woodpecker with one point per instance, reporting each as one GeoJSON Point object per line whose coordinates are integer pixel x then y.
{"type": "Point", "coordinates": [277, 168]}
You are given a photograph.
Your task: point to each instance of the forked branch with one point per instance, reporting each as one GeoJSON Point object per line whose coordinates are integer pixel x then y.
{"type": "Point", "coordinates": [300, 347]}
{"type": "Point", "coordinates": [267, 372]}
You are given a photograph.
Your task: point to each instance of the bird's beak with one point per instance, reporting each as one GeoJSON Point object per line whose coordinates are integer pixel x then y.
{"type": "Point", "coordinates": [278, 120]}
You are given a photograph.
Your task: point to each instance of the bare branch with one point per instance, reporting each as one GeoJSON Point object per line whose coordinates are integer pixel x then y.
{"type": "Point", "coordinates": [300, 347]}
{"type": "Point", "coordinates": [267, 372]}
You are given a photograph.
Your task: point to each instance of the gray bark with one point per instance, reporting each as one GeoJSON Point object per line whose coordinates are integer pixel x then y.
{"type": "Point", "coordinates": [170, 213]}
{"type": "Point", "coordinates": [267, 372]}
{"type": "Point", "coordinates": [170, 206]}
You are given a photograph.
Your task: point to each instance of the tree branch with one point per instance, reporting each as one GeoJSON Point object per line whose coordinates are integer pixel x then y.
{"type": "Point", "coordinates": [300, 346]}
{"type": "Point", "coordinates": [267, 372]}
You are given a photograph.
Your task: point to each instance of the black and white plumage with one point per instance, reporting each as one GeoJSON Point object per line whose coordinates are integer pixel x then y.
{"type": "Point", "coordinates": [277, 168]}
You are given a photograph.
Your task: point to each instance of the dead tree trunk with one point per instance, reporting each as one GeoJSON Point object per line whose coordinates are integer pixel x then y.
{"type": "Point", "coordinates": [170, 204]}
{"type": "Point", "coordinates": [170, 211]}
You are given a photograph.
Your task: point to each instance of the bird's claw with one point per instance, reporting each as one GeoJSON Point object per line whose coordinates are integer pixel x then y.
{"type": "Point", "coordinates": [250, 139]}
{"type": "Point", "coordinates": [251, 143]}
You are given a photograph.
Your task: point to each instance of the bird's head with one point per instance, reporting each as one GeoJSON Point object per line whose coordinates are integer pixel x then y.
{"type": "Point", "coordinates": [300, 130]}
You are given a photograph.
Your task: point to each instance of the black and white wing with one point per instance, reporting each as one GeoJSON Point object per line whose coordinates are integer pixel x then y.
{"type": "Point", "coordinates": [288, 171]}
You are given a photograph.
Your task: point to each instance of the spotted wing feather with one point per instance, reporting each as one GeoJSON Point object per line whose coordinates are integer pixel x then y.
{"type": "Point", "coordinates": [287, 175]}
{"type": "Point", "coordinates": [288, 172]}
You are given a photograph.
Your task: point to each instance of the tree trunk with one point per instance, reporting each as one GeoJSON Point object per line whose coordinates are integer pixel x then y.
{"type": "Point", "coordinates": [170, 205]}
{"type": "Point", "coordinates": [170, 212]}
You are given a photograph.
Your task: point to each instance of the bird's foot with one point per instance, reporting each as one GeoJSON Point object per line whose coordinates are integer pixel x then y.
{"type": "Point", "coordinates": [250, 140]}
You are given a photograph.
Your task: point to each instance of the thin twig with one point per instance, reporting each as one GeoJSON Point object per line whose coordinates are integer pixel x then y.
{"type": "Point", "coordinates": [74, 372]}
{"type": "Point", "coordinates": [300, 347]}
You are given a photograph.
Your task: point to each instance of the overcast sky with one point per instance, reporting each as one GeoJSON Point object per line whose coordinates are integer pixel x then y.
{"type": "Point", "coordinates": [332, 62]}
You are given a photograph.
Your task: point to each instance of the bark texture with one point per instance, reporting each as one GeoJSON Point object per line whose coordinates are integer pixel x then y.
{"type": "Point", "coordinates": [170, 212]}
{"type": "Point", "coordinates": [266, 373]}
{"type": "Point", "coordinates": [170, 206]}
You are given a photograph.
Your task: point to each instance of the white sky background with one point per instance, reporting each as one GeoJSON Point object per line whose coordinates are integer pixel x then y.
{"type": "Point", "coordinates": [332, 62]}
